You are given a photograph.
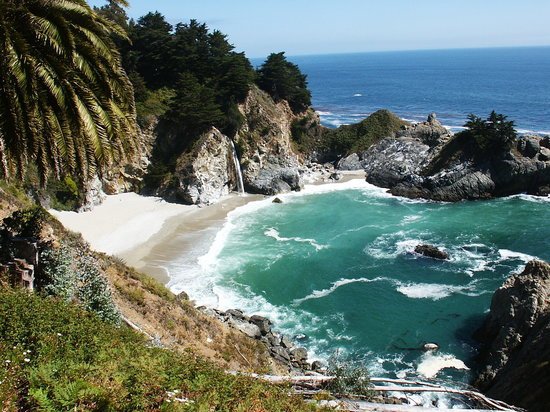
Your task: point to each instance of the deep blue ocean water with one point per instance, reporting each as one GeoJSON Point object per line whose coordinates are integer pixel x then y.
{"type": "Point", "coordinates": [452, 83]}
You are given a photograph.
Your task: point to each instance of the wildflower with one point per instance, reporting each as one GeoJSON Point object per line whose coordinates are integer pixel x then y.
{"type": "Point", "coordinates": [27, 360]}
{"type": "Point", "coordinates": [7, 361]}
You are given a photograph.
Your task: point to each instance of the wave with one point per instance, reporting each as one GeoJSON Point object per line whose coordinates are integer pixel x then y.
{"type": "Point", "coordinates": [357, 95]}
{"type": "Point", "coordinates": [436, 291]}
{"type": "Point", "coordinates": [506, 254]}
{"type": "Point", "coordinates": [317, 294]}
{"type": "Point", "coordinates": [274, 233]}
{"type": "Point", "coordinates": [324, 113]}
{"type": "Point", "coordinates": [430, 364]}
{"type": "Point", "coordinates": [531, 198]}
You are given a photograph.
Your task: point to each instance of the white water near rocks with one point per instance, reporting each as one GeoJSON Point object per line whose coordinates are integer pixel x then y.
{"type": "Point", "coordinates": [238, 172]}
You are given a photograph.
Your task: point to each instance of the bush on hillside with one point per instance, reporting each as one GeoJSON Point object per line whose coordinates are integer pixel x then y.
{"type": "Point", "coordinates": [56, 356]}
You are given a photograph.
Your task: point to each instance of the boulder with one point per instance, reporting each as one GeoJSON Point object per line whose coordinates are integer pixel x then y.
{"type": "Point", "coordinates": [279, 353]}
{"type": "Point", "coordinates": [235, 313]}
{"type": "Point", "coordinates": [249, 329]}
{"type": "Point", "coordinates": [277, 200]}
{"type": "Point", "coordinates": [351, 162]}
{"type": "Point", "coordinates": [516, 340]}
{"type": "Point", "coordinates": [286, 342]}
{"type": "Point", "coordinates": [263, 323]}
{"type": "Point", "coordinates": [431, 251]}
{"type": "Point", "coordinates": [317, 366]}
{"type": "Point", "coordinates": [298, 354]}
{"type": "Point", "coordinates": [430, 347]}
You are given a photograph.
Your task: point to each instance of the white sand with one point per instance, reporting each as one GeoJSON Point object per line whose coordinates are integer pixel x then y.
{"type": "Point", "coordinates": [148, 232]}
{"type": "Point", "coordinates": [122, 222]}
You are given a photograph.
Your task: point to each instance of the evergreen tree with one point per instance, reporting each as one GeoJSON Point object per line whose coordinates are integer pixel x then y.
{"type": "Point", "coordinates": [284, 80]}
{"type": "Point", "coordinates": [495, 133]}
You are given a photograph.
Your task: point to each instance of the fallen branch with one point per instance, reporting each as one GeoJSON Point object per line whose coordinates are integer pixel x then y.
{"type": "Point", "coordinates": [396, 385]}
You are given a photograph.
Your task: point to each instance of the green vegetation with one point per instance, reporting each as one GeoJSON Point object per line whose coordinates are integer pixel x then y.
{"type": "Point", "coordinates": [355, 138]}
{"type": "Point", "coordinates": [66, 104]}
{"type": "Point", "coordinates": [283, 80]}
{"type": "Point", "coordinates": [59, 357]}
{"type": "Point", "coordinates": [350, 378]}
{"type": "Point", "coordinates": [492, 134]}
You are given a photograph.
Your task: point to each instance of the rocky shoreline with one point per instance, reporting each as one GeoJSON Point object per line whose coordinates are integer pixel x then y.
{"type": "Point", "coordinates": [283, 349]}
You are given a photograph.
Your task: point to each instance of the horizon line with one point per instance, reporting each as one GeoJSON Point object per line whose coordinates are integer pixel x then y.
{"type": "Point", "coordinates": [407, 50]}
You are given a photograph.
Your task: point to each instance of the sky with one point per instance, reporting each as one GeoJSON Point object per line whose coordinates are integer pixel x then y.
{"type": "Point", "coordinates": [300, 27]}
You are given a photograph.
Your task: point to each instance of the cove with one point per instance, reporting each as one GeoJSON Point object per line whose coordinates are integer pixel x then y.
{"type": "Point", "coordinates": [336, 263]}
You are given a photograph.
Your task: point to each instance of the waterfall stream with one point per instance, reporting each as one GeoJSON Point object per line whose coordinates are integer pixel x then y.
{"type": "Point", "coordinates": [237, 164]}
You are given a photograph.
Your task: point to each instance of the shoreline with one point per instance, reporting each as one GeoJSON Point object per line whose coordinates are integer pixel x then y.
{"type": "Point", "coordinates": [148, 232]}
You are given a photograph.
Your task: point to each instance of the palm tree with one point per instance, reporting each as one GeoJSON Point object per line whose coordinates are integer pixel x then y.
{"type": "Point", "coordinates": [66, 104]}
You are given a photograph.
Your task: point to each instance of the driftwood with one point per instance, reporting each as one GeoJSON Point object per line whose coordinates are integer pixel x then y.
{"type": "Point", "coordinates": [313, 383]}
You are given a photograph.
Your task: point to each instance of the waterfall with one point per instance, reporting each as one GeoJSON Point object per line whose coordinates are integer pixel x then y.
{"type": "Point", "coordinates": [237, 164]}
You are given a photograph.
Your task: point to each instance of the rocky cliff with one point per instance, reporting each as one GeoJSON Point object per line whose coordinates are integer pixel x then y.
{"type": "Point", "coordinates": [204, 173]}
{"type": "Point", "coordinates": [270, 165]}
{"type": "Point", "coordinates": [516, 338]}
{"type": "Point", "coordinates": [426, 161]}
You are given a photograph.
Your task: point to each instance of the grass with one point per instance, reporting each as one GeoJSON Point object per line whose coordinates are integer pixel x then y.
{"type": "Point", "coordinates": [57, 357]}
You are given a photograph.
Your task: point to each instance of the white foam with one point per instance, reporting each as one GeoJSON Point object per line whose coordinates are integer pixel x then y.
{"type": "Point", "coordinates": [506, 254]}
{"type": "Point", "coordinates": [410, 219]}
{"type": "Point", "coordinates": [431, 364]}
{"type": "Point", "coordinates": [531, 198]}
{"type": "Point", "coordinates": [357, 95]}
{"type": "Point", "coordinates": [324, 113]}
{"type": "Point", "coordinates": [317, 294]}
{"type": "Point", "coordinates": [274, 233]}
{"type": "Point", "coordinates": [434, 291]}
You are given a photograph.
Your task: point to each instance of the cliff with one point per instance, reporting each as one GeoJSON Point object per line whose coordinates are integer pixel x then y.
{"type": "Point", "coordinates": [516, 339]}
{"type": "Point", "coordinates": [426, 161]}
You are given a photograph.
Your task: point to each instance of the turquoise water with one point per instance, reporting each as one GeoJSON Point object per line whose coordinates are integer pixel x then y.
{"type": "Point", "coordinates": [338, 266]}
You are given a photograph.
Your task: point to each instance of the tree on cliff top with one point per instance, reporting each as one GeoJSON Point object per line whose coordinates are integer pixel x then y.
{"type": "Point", "coordinates": [492, 134]}
{"type": "Point", "coordinates": [283, 80]}
{"type": "Point", "coordinates": [66, 104]}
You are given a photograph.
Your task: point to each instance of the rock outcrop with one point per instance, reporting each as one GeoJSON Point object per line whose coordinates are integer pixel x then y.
{"type": "Point", "coordinates": [431, 252]}
{"type": "Point", "coordinates": [516, 338]}
{"type": "Point", "coordinates": [280, 347]}
{"type": "Point", "coordinates": [425, 161]}
{"type": "Point", "coordinates": [205, 173]}
{"type": "Point", "coordinates": [269, 163]}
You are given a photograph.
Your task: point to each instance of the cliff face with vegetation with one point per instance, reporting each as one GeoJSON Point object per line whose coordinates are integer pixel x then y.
{"type": "Point", "coordinates": [516, 338]}
{"type": "Point", "coordinates": [426, 161]}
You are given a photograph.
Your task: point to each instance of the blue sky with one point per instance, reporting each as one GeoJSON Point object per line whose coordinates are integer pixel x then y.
{"type": "Point", "coordinates": [298, 27]}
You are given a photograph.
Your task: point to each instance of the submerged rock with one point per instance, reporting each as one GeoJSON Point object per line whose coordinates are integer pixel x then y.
{"type": "Point", "coordinates": [431, 251]}
{"type": "Point", "coordinates": [516, 339]}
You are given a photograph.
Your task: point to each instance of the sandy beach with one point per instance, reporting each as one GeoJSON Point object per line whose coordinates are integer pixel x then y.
{"type": "Point", "coordinates": [147, 232]}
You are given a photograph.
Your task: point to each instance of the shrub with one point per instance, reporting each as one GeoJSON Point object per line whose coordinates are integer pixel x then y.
{"type": "Point", "coordinates": [63, 358]}
{"type": "Point", "coordinates": [350, 378]}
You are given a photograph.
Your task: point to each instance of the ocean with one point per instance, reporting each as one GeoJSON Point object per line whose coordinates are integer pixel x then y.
{"type": "Point", "coordinates": [336, 262]}
{"type": "Point", "coordinates": [452, 83]}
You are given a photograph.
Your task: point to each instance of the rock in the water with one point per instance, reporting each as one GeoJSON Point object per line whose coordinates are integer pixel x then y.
{"type": "Point", "coordinates": [277, 200]}
{"type": "Point", "coordinates": [516, 338]}
{"type": "Point", "coordinates": [263, 323]}
{"type": "Point", "coordinates": [430, 346]}
{"type": "Point", "coordinates": [431, 251]}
